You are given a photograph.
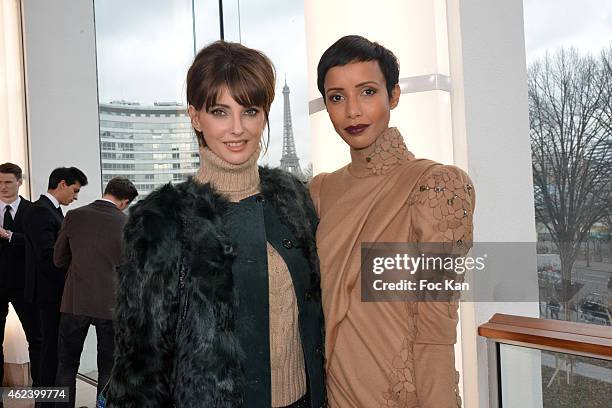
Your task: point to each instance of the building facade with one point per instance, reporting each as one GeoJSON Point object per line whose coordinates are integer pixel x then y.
{"type": "Point", "coordinates": [150, 145]}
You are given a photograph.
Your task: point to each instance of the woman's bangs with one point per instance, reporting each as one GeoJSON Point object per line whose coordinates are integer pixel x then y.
{"type": "Point", "coordinates": [247, 89]}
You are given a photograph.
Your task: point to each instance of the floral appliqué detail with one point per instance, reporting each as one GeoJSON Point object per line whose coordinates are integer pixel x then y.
{"type": "Point", "coordinates": [451, 200]}
{"type": "Point", "coordinates": [457, 389]}
{"type": "Point", "coordinates": [402, 391]}
{"type": "Point", "coordinates": [389, 152]}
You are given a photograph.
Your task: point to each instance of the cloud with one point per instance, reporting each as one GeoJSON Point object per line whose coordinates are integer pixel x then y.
{"type": "Point", "coordinates": [551, 24]}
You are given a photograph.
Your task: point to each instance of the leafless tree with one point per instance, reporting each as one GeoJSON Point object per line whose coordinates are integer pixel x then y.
{"type": "Point", "coordinates": [606, 84]}
{"type": "Point", "coordinates": [571, 139]}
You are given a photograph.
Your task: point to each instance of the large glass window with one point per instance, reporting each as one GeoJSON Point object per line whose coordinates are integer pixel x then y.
{"type": "Point", "coordinates": [567, 380]}
{"type": "Point", "coordinates": [276, 27]}
{"type": "Point", "coordinates": [569, 59]}
{"type": "Point", "coordinates": [569, 79]}
{"type": "Point", "coordinates": [144, 49]}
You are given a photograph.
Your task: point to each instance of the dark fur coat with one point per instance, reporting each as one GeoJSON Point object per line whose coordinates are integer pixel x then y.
{"type": "Point", "coordinates": [183, 225]}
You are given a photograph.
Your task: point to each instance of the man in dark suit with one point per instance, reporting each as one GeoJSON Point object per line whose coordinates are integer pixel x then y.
{"type": "Point", "coordinates": [90, 246]}
{"type": "Point", "coordinates": [44, 281]}
{"type": "Point", "coordinates": [12, 265]}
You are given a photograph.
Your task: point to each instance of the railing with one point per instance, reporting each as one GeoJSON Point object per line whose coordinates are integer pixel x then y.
{"type": "Point", "coordinates": [527, 357]}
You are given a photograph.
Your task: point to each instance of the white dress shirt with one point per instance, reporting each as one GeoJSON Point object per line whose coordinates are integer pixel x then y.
{"type": "Point", "coordinates": [56, 203]}
{"type": "Point", "coordinates": [14, 206]}
{"type": "Point", "coordinates": [106, 199]}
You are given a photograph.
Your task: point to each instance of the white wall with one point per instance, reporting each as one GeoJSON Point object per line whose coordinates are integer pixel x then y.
{"type": "Point", "coordinates": [62, 99]}
{"type": "Point", "coordinates": [61, 91]}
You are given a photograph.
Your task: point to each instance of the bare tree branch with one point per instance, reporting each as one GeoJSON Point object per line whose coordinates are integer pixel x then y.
{"type": "Point", "coordinates": [570, 112]}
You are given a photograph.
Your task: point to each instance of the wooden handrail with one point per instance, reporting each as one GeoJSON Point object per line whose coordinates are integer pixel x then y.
{"type": "Point", "coordinates": [567, 337]}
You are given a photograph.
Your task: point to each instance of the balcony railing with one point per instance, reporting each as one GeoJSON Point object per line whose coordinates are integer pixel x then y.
{"type": "Point", "coordinates": [538, 363]}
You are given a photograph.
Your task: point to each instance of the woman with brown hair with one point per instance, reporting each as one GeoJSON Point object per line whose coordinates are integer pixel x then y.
{"type": "Point", "coordinates": [219, 300]}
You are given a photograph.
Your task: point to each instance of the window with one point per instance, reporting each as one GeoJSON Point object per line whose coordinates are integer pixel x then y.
{"type": "Point", "coordinates": [245, 23]}
{"type": "Point", "coordinates": [125, 146]}
{"type": "Point", "coordinates": [118, 166]}
{"type": "Point", "coordinates": [129, 107]}
{"type": "Point", "coordinates": [570, 82]}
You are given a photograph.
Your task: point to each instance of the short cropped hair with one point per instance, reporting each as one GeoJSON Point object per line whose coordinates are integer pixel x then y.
{"type": "Point", "coordinates": [69, 174]}
{"type": "Point", "coordinates": [11, 168]}
{"type": "Point", "coordinates": [247, 73]}
{"type": "Point", "coordinates": [121, 188]}
{"type": "Point", "coordinates": [355, 48]}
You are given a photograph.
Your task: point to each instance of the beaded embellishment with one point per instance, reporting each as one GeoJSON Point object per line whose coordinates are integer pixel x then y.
{"type": "Point", "coordinates": [451, 201]}
{"type": "Point", "coordinates": [457, 378]}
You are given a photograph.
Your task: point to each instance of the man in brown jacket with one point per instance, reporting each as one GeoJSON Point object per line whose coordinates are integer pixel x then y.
{"type": "Point", "coordinates": [89, 245]}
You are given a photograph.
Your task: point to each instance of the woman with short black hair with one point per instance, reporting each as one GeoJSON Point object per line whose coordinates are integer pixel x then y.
{"type": "Point", "coordinates": [383, 353]}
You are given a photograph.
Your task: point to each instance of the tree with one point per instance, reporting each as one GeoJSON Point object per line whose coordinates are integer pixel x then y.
{"type": "Point", "coordinates": [570, 129]}
{"type": "Point", "coordinates": [606, 85]}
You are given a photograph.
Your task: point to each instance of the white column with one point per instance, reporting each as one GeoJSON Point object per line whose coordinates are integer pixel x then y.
{"type": "Point", "coordinates": [62, 96]}
{"type": "Point", "coordinates": [491, 140]}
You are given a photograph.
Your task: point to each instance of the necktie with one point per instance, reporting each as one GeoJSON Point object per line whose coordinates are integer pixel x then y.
{"type": "Point", "coordinates": [59, 211]}
{"type": "Point", "coordinates": [8, 219]}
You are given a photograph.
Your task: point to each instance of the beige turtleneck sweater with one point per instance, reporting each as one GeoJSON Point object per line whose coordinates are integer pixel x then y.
{"type": "Point", "coordinates": [288, 374]}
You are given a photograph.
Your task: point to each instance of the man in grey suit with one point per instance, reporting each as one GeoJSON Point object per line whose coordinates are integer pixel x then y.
{"type": "Point", "coordinates": [89, 245]}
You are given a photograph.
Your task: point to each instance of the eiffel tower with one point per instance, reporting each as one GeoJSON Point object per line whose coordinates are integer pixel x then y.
{"type": "Point", "coordinates": [289, 161]}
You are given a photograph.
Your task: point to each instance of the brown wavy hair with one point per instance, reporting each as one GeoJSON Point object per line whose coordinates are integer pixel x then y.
{"type": "Point", "coordinates": [247, 73]}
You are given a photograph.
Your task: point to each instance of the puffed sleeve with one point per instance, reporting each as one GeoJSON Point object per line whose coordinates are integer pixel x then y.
{"type": "Point", "coordinates": [442, 208]}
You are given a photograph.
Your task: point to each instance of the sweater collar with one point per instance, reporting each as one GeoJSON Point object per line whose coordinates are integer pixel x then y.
{"type": "Point", "coordinates": [236, 181]}
{"type": "Point", "coordinates": [387, 152]}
